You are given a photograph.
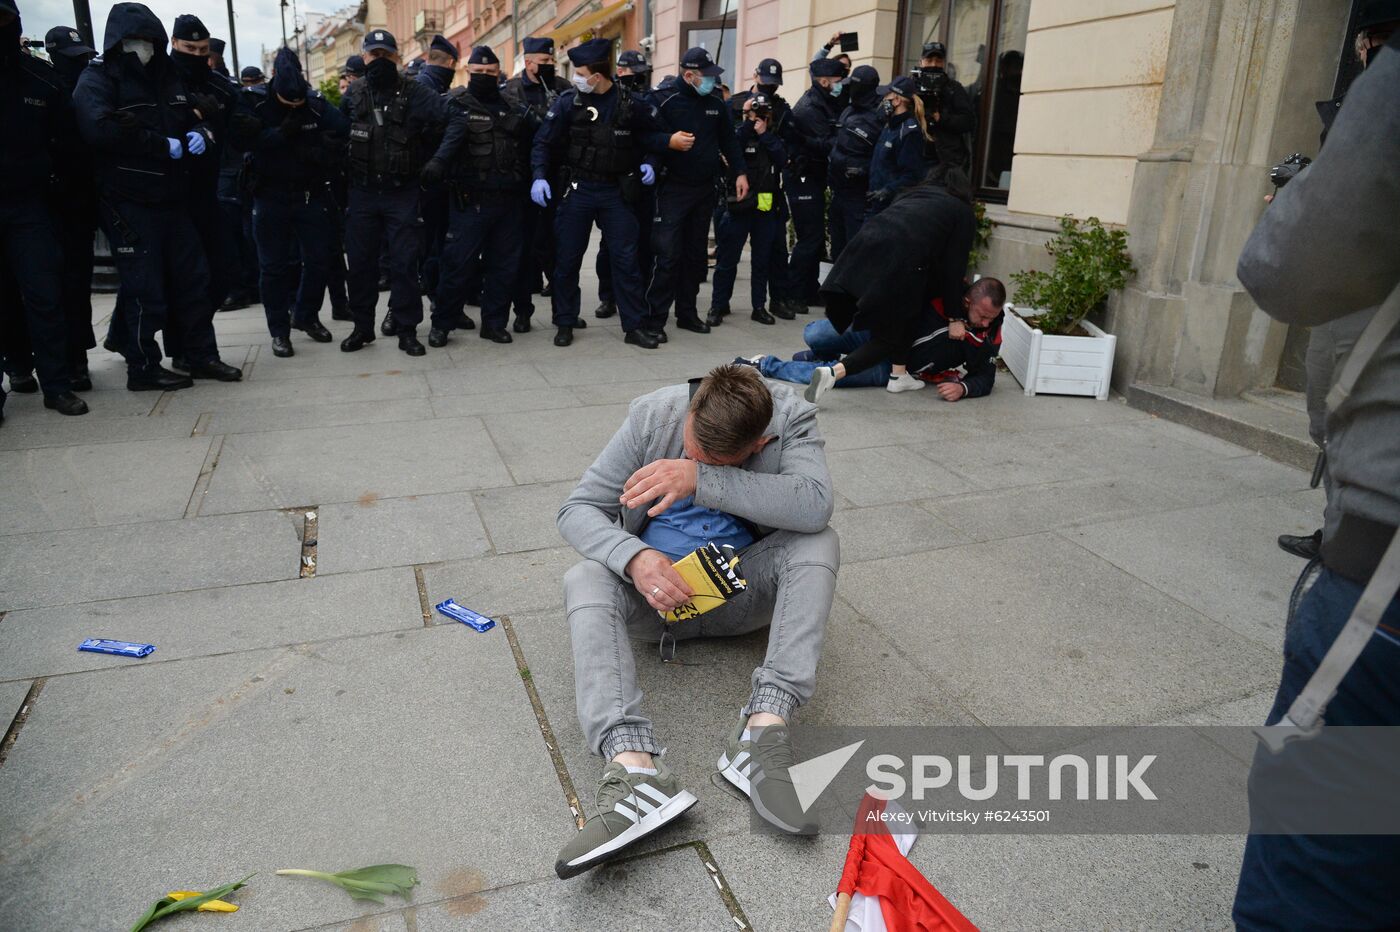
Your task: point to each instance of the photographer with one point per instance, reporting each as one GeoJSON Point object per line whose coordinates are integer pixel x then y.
{"type": "Point", "coordinates": [948, 109]}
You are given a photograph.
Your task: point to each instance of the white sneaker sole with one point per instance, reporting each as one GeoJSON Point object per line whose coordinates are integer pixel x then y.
{"type": "Point", "coordinates": [663, 814]}
{"type": "Point", "coordinates": [732, 774]}
{"type": "Point", "coordinates": [895, 386]}
{"type": "Point", "coordinates": [822, 379]}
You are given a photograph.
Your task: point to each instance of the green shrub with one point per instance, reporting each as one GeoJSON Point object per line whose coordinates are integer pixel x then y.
{"type": "Point", "coordinates": [1090, 263]}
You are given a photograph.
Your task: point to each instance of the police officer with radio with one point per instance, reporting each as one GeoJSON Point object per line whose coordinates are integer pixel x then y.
{"type": "Point", "coordinates": [597, 133]}
{"type": "Point", "coordinates": [135, 114]}
{"type": "Point", "coordinates": [299, 149]}
{"type": "Point", "coordinates": [857, 132]}
{"type": "Point", "coordinates": [633, 74]}
{"type": "Point", "coordinates": [701, 132]}
{"type": "Point", "coordinates": [536, 87]}
{"type": "Point", "coordinates": [948, 110]}
{"type": "Point", "coordinates": [815, 116]}
{"type": "Point", "coordinates": [437, 75]}
{"type": "Point", "coordinates": [393, 122]}
{"type": "Point", "coordinates": [485, 160]}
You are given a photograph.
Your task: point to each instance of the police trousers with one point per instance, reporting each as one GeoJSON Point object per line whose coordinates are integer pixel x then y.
{"type": "Point", "coordinates": [295, 233]}
{"type": "Point", "coordinates": [490, 225]}
{"type": "Point", "coordinates": [679, 238]}
{"type": "Point", "coordinates": [389, 218]}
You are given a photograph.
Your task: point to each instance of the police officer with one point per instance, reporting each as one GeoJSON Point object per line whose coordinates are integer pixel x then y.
{"type": "Point", "coordinates": [596, 133]}
{"type": "Point", "coordinates": [758, 217]}
{"type": "Point", "coordinates": [393, 121]}
{"type": "Point", "coordinates": [701, 132]}
{"type": "Point", "coordinates": [947, 110]}
{"type": "Point", "coordinates": [251, 76]}
{"type": "Point", "coordinates": [135, 113]}
{"type": "Point", "coordinates": [899, 153]}
{"type": "Point", "coordinates": [485, 159]}
{"type": "Point", "coordinates": [36, 113]}
{"type": "Point", "coordinates": [352, 71]}
{"type": "Point", "coordinates": [441, 65]}
{"type": "Point", "coordinates": [437, 74]}
{"type": "Point", "coordinates": [536, 87]}
{"type": "Point", "coordinates": [299, 146]}
{"type": "Point", "coordinates": [216, 57]}
{"type": "Point", "coordinates": [74, 203]}
{"type": "Point", "coordinates": [814, 117]}
{"type": "Point", "coordinates": [849, 176]}
{"type": "Point", "coordinates": [633, 74]}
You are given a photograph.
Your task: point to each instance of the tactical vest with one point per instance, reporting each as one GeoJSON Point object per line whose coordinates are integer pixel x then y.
{"type": "Point", "coordinates": [762, 178]}
{"type": "Point", "coordinates": [382, 146]}
{"type": "Point", "coordinates": [493, 149]}
{"type": "Point", "coordinates": [856, 137]}
{"type": "Point", "coordinates": [599, 150]}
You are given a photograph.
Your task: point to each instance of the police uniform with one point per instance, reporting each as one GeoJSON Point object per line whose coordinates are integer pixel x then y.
{"type": "Point", "coordinates": [759, 218]}
{"type": "Point", "coordinates": [857, 132]}
{"type": "Point", "coordinates": [336, 279]}
{"type": "Point", "coordinates": [638, 82]}
{"type": "Point", "coordinates": [537, 258]}
{"type": "Point", "coordinates": [35, 111]}
{"type": "Point", "coordinates": [485, 158]}
{"type": "Point", "coordinates": [433, 197]}
{"type": "Point", "coordinates": [393, 121]}
{"type": "Point", "coordinates": [814, 115]}
{"type": "Point", "coordinates": [685, 201]}
{"type": "Point", "coordinates": [297, 153]}
{"type": "Point", "coordinates": [898, 162]}
{"type": "Point", "coordinates": [141, 125]}
{"type": "Point", "coordinates": [595, 143]}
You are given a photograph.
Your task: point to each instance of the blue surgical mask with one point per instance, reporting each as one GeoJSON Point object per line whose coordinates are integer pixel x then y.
{"type": "Point", "coordinates": [706, 86]}
{"type": "Point", "coordinates": [835, 89]}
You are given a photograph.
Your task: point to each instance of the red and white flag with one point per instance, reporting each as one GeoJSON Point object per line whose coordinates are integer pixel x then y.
{"type": "Point", "coordinates": [887, 893]}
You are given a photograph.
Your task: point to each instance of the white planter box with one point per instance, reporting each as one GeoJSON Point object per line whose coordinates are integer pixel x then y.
{"type": "Point", "coordinates": [1047, 364]}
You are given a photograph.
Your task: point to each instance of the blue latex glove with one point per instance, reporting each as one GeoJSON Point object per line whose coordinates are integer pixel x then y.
{"type": "Point", "coordinates": [176, 150]}
{"type": "Point", "coordinates": [648, 174]}
{"type": "Point", "coordinates": [194, 142]}
{"type": "Point", "coordinates": [540, 193]}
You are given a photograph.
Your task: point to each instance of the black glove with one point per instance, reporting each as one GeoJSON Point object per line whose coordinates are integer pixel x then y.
{"type": "Point", "coordinates": [208, 105]}
{"type": "Point", "coordinates": [432, 172]}
{"type": "Point", "coordinates": [123, 118]}
{"type": "Point", "coordinates": [290, 126]}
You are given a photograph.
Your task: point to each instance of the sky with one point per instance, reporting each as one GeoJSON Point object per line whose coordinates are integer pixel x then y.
{"type": "Point", "coordinates": [258, 22]}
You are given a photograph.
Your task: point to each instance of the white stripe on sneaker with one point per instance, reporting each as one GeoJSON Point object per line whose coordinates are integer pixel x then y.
{"type": "Point", "coordinates": [740, 758]}
{"type": "Point", "coordinates": [653, 792]}
{"type": "Point", "coordinates": [644, 807]}
{"type": "Point", "coordinates": [623, 810]}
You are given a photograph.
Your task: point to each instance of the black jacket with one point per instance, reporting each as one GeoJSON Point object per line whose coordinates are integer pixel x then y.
{"type": "Point", "coordinates": [911, 252]}
{"type": "Point", "coordinates": [467, 112]}
{"type": "Point", "coordinates": [533, 94]}
{"type": "Point", "coordinates": [814, 118]}
{"type": "Point", "coordinates": [127, 112]}
{"type": "Point", "coordinates": [681, 109]}
{"type": "Point", "coordinates": [297, 149]}
{"type": "Point", "coordinates": [853, 148]}
{"type": "Point", "coordinates": [952, 129]}
{"type": "Point", "coordinates": [934, 353]}
{"type": "Point", "coordinates": [35, 111]}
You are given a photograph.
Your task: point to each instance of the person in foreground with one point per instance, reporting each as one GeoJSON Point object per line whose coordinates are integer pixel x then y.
{"type": "Point", "coordinates": [732, 460]}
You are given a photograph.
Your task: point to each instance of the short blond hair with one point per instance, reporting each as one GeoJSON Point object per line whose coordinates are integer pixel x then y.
{"type": "Point", "coordinates": [730, 410]}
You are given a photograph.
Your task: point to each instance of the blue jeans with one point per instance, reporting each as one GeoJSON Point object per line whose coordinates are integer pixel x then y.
{"type": "Point", "coordinates": [826, 345]}
{"type": "Point", "coordinates": [1327, 881]}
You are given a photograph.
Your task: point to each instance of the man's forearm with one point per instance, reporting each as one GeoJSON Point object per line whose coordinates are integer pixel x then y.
{"type": "Point", "coordinates": [800, 502]}
{"type": "Point", "coordinates": [596, 536]}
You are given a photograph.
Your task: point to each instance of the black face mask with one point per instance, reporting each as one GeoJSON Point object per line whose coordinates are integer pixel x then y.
{"type": "Point", "coordinates": [483, 86]}
{"type": "Point", "coordinates": [190, 67]}
{"type": "Point", "coordinates": [69, 67]}
{"type": "Point", "coordinates": [546, 75]}
{"type": "Point", "coordinates": [381, 73]}
{"type": "Point", "coordinates": [933, 69]}
{"type": "Point", "coordinates": [862, 95]}
{"type": "Point", "coordinates": [886, 109]}
{"type": "Point", "coordinates": [633, 82]}
{"type": "Point", "coordinates": [768, 90]}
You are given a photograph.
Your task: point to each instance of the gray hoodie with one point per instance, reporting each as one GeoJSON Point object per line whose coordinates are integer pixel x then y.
{"type": "Point", "coordinates": [1329, 246]}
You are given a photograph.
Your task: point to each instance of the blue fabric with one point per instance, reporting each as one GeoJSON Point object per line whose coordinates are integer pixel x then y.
{"type": "Point", "coordinates": [1327, 881]}
{"type": "Point", "coordinates": [827, 345]}
{"type": "Point", "coordinates": [686, 527]}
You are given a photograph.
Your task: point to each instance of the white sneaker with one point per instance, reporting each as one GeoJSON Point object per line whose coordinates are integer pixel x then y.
{"type": "Point", "coordinates": [903, 383]}
{"type": "Point", "coordinates": [822, 379]}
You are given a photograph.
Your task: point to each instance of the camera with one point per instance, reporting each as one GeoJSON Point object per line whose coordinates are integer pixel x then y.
{"type": "Point", "coordinates": [931, 84]}
{"type": "Point", "coordinates": [1288, 169]}
{"type": "Point", "coordinates": [760, 107]}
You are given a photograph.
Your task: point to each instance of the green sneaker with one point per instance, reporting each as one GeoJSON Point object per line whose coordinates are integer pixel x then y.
{"type": "Point", "coordinates": [629, 806]}
{"type": "Point", "coordinates": [760, 767]}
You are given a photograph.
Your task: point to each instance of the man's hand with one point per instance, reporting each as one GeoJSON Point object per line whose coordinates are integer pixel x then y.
{"type": "Point", "coordinates": [668, 480]}
{"type": "Point", "coordinates": [835, 40]}
{"type": "Point", "coordinates": [952, 391]}
{"type": "Point", "coordinates": [741, 187]}
{"type": "Point", "coordinates": [957, 330]}
{"type": "Point", "coordinates": [682, 141]}
{"type": "Point", "coordinates": [657, 580]}
{"type": "Point", "coordinates": [760, 126]}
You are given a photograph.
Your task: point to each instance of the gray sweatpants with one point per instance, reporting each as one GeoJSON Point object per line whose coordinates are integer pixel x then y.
{"type": "Point", "coordinates": [791, 580]}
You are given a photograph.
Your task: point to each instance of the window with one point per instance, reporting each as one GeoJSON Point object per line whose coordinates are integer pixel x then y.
{"type": "Point", "coordinates": [714, 32]}
{"type": "Point", "coordinates": [986, 41]}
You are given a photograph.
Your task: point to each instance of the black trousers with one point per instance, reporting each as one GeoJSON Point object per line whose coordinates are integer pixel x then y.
{"type": "Point", "coordinates": [388, 218]}
{"type": "Point", "coordinates": [295, 235]}
{"type": "Point", "coordinates": [679, 236]}
{"type": "Point", "coordinates": [807, 204]}
{"type": "Point", "coordinates": [645, 210]}
{"type": "Point", "coordinates": [847, 214]}
{"type": "Point", "coordinates": [29, 247]}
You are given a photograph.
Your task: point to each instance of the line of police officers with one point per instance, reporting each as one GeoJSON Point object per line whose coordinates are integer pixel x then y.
{"type": "Point", "coordinates": [469, 194]}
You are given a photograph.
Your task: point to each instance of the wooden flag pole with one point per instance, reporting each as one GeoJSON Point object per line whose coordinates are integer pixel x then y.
{"type": "Point", "coordinates": [843, 909]}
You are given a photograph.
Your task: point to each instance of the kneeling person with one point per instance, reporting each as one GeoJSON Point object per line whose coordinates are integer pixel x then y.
{"type": "Point", "coordinates": [737, 463]}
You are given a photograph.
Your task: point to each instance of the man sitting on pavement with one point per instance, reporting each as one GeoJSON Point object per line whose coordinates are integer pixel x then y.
{"type": "Point", "coordinates": [731, 460]}
{"type": "Point", "coordinates": [969, 342]}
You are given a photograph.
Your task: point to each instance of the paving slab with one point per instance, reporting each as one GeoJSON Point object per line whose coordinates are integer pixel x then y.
{"type": "Point", "coordinates": [198, 772]}
{"type": "Point", "coordinates": [26, 429]}
{"type": "Point", "coordinates": [550, 446]}
{"type": "Point", "coordinates": [1221, 559]}
{"type": "Point", "coordinates": [502, 585]}
{"type": "Point", "coordinates": [523, 517]}
{"type": "Point", "coordinates": [11, 699]}
{"type": "Point", "coordinates": [890, 530]}
{"type": "Point", "coordinates": [667, 890]}
{"type": "Point", "coordinates": [54, 488]}
{"type": "Point", "coordinates": [1035, 631]}
{"type": "Point", "coordinates": [398, 532]}
{"type": "Point", "coordinates": [609, 393]}
{"type": "Point", "coordinates": [530, 399]}
{"type": "Point", "coordinates": [274, 393]}
{"type": "Point", "coordinates": [252, 419]}
{"type": "Point", "coordinates": [358, 462]}
{"type": "Point", "coordinates": [319, 360]}
{"type": "Point", "coordinates": [884, 475]}
{"type": "Point", "coordinates": [91, 564]}
{"type": "Point", "coordinates": [493, 377]}
{"type": "Point", "coordinates": [206, 622]}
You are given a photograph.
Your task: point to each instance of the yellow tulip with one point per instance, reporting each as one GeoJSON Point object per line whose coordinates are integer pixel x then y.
{"type": "Point", "coordinates": [213, 906]}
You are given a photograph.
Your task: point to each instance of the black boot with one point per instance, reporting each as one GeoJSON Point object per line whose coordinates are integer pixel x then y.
{"type": "Point", "coordinates": [641, 338]}
{"type": "Point", "coordinates": [341, 313]}
{"type": "Point", "coordinates": [82, 382]}
{"type": "Point", "coordinates": [1300, 545]}
{"type": "Point", "coordinates": [408, 342]}
{"type": "Point", "coordinates": [521, 325]}
{"type": "Point", "coordinates": [218, 370]}
{"type": "Point", "coordinates": [386, 326]}
{"type": "Point", "coordinates": [357, 340]}
{"type": "Point", "coordinates": [316, 331]}
{"type": "Point", "coordinates": [24, 384]}
{"type": "Point", "coordinates": [605, 310]}
{"type": "Point", "coordinates": [564, 336]}
{"type": "Point", "coordinates": [716, 316]}
{"type": "Point", "coordinates": [761, 316]}
{"type": "Point", "coordinates": [67, 403]}
{"type": "Point", "coordinates": [437, 338]}
{"type": "Point", "coordinates": [495, 334]}
{"type": "Point", "coordinates": [784, 310]}
{"type": "Point", "coordinates": [282, 347]}
{"type": "Point", "coordinates": [693, 324]}
{"type": "Point", "coordinates": [157, 380]}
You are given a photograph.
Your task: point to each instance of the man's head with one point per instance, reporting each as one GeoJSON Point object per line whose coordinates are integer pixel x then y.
{"type": "Point", "coordinates": [1376, 24]}
{"type": "Point", "coordinates": [354, 68]}
{"type": "Point", "coordinates": [768, 76]}
{"type": "Point", "coordinates": [483, 60]}
{"type": "Point", "coordinates": [699, 70]}
{"type": "Point", "coordinates": [827, 73]}
{"type": "Point", "coordinates": [539, 52]}
{"type": "Point", "coordinates": [442, 53]}
{"type": "Point", "coordinates": [593, 66]}
{"type": "Point", "coordinates": [984, 301]}
{"type": "Point", "coordinates": [633, 70]}
{"type": "Point", "coordinates": [845, 61]}
{"type": "Point", "coordinates": [935, 55]}
{"type": "Point", "coordinates": [728, 416]}
{"type": "Point", "coordinates": [189, 36]}
{"type": "Point", "coordinates": [379, 43]}
{"type": "Point", "coordinates": [252, 76]}
{"type": "Point", "coordinates": [287, 82]}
